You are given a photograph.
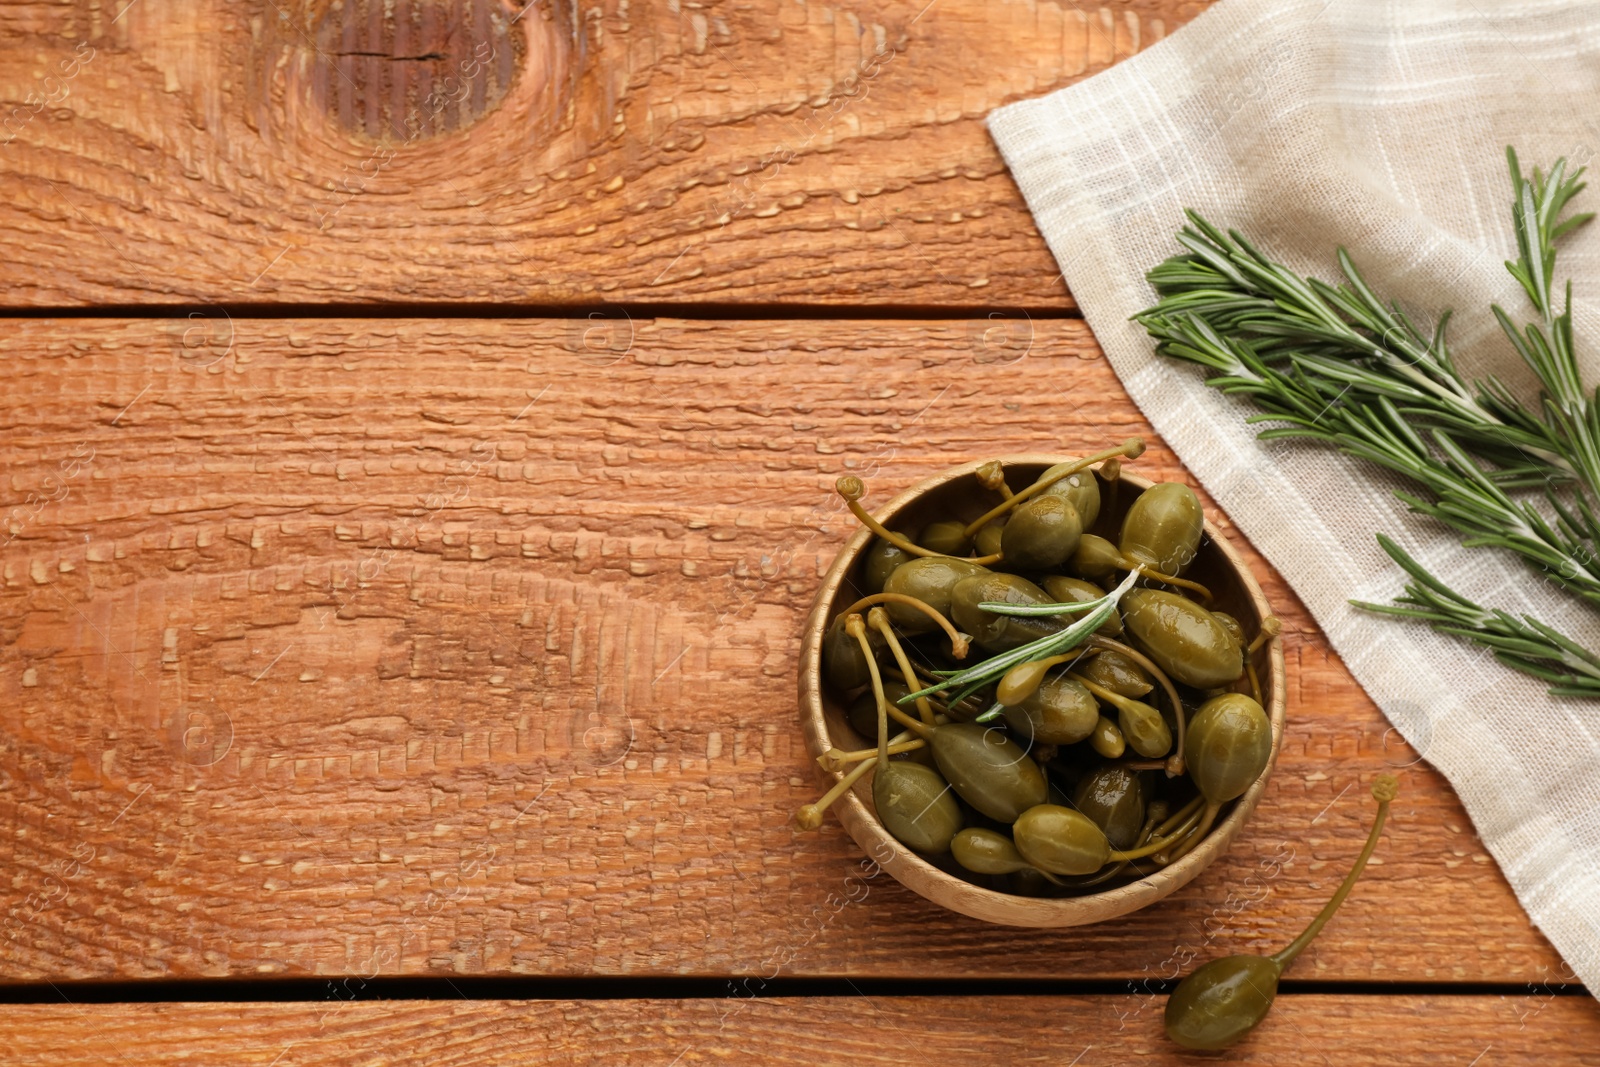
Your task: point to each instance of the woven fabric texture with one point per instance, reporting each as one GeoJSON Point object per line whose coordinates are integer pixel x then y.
{"type": "Point", "coordinates": [1379, 125]}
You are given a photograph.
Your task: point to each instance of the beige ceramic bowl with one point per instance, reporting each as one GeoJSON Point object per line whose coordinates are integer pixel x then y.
{"type": "Point", "coordinates": [956, 493]}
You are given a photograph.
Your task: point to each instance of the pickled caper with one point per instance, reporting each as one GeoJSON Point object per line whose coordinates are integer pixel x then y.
{"type": "Point", "coordinates": [1224, 999]}
{"type": "Point", "coordinates": [989, 770]}
{"type": "Point", "coordinates": [882, 558]}
{"type": "Point", "coordinates": [948, 537]}
{"type": "Point", "coordinates": [1116, 672]}
{"type": "Point", "coordinates": [843, 664]}
{"type": "Point", "coordinates": [1080, 487]}
{"type": "Point", "coordinates": [1059, 712]}
{"type": "Point", "coordinates": [1228, 746]}
{"type": "Point", "coordinates": [1162, 528]}
{"type": "Point", "coordinates": [989, 539]}
{"type": "Point", "coordinates": [986, 852]}
{"type": "Point", "coordinates": [1064, 590]}
{"type": "Point", "coordinates": [999, 632]}
{"type": "Point", "coordinates": [929, 579]}
{"type": "Point", "coordinates": [1107, 739]}
{"type": "Point", "coordinates": [1183, 638]}
{"type": "Point", "coordinates": [1041, 534]}
{"type": "Point", "coordinates": [1114, 798]}
{"type": "Point", "coordinates": [914, 805]}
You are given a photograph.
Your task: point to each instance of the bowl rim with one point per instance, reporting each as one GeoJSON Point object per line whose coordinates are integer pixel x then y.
{"type": "Point", "coordinates": [922, 877]}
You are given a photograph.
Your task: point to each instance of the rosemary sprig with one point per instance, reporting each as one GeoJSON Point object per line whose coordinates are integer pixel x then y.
{"type": "Point", "coordinates": [971, 679]}
{"type": "Point", "coordinates": [1526, 644]}
{"type": "Point", "coordinates": [1336, 364]}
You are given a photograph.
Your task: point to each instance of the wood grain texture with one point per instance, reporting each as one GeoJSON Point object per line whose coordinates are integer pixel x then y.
{"type": "Point", "coordinates": [488, 151]}
{"type": "Point", "coordinates": [433, 647]}
{"type": "Point", "coordinates": [1337, 1031]}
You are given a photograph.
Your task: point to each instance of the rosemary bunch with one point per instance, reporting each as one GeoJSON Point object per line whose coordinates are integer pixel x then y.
{"type": "Point", "coordinates": [1336, 364]}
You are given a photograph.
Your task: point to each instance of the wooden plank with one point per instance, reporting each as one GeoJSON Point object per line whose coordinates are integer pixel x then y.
{"type": "Point", "coordinates": [1341, 1031]}
{"type": "Point", "coordinates": [450, 150]}
{"type": "Point", "coordinates": [432, 647]}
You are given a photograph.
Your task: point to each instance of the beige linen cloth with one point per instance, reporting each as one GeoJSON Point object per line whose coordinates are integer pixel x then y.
{"type": "Point", "coordinates": [1380, 125]}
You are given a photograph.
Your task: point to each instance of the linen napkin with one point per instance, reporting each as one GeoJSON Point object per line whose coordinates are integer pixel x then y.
{"type": "Point", "coordinates": [1380, 125]}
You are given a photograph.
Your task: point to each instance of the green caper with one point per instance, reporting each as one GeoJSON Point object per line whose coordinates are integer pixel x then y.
{"type": "Point", "coordinates": [930, 580]}
{"type": "Point", "coordinates": [1116, 672]}
{"type": "Point", "coordinates": [1162, 529]}
{"type": "Point", "coordinates": [1114, 798]}
{"type": "Point", "coordinates": [1095, 557]}
{"type": "Point", "coordinates": [986, 852]}
{"type": "Point", "coordinates": [882, 558]}
{"type": "Point", "coordinates": [988, 540]}
{"type": "Point", "coordinates": [948, 537]}
{"type": "Point", "coordinates": [1081, 488]}
{"type": "Point", "coordinates": [843, 664]}
{"type": "Point", "coordinates": [1233, 626]}
{"type": "Point", "coordinates": [1064, 590]}
{"type": "Point", "coordinates": [989, 770]}
{"type": "Point", "coordinates": [999, 632]}
{"type": "Point", "coordinates": [1107, 739]}
{"type": "Point", "coordinates": [916, 806]}
{"type": "Point", "coordinates": [863, 711]}
{"type": "Point", "coordinates": [1182, 638]}
{"type": "Point", "coordinates": [1224, 999]}
{"type": "Point", "coordinates": [1060, 841]}
{"type": "Point", "coordinates": [1059, 712]}
{"type": "Point", "coordinates": [1228, 745]}
{"type": "Point", "coordinates": [1041, 534]}
{"type": "Point", "coordinates": [1147, 733]}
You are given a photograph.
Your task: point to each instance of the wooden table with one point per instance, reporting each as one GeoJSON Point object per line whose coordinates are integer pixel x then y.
{"type": "Point", "coordinates": [419, 423]}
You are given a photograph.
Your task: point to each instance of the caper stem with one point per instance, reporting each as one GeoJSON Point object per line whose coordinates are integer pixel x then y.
{"type": "Point", "coordinates": [1271, 627]}
{"type": "Point", "coordinates": [1383, 790]}
{"type": "Point", "coordinates": [1131, 448]}
{"type": "Point", "coordinates": [858, 630]}
{"type": "Point", "coordinates": [1174, 761]}
{"type": "Point", "coordinates": [878, 619]}
{"type": "Point", "coordinates": [810, 815]}
{"type": "Point", "coordinates": [992, 476]}
{"type": "Point", "coordinates": [959, 645]}
{"type": "Point", "coordinates": [1149, 848]}
{"type": "Point", "coordinates": [1116, 700]}
{"type": "Point", "coordinates": [1111, 871]}
{"type": "Point", "coordinates": [1169, 579]}
{"type": "Point", "coordinates": [1179, 817]}
{"type": "Point", "coordinates": [1192, 838]}
{"type": "Point", "coordinates": [850, 488]}
{"type": "Point", "coordinates": [837, 759]}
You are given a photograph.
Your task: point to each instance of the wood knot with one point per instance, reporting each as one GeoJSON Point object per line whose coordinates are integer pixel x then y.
{"type": "Point", "coordinates": [403, 70]}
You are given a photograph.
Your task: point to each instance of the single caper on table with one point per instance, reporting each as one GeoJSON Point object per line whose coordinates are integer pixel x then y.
{"type": "Point", "coordinates": [1223, 1000]}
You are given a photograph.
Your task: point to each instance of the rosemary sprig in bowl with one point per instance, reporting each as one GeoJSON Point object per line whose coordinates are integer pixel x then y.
{"type": "Point", "coordinates": [1339, 365]}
